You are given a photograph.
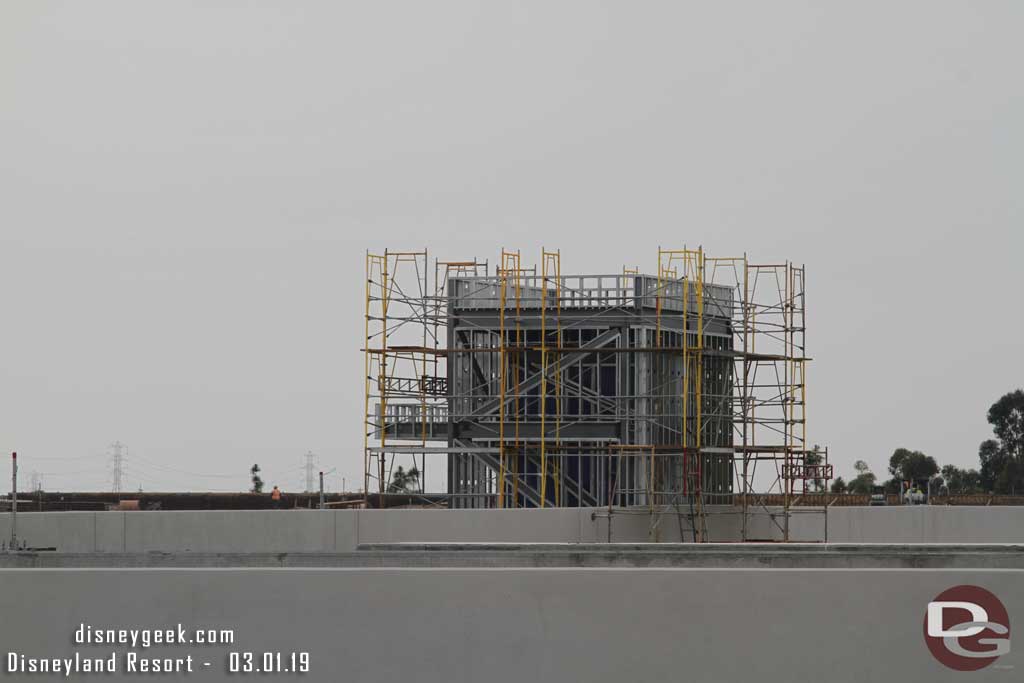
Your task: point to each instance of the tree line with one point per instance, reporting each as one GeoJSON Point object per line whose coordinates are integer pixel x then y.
{"type": "Point", "coordinates": [1000, 461]}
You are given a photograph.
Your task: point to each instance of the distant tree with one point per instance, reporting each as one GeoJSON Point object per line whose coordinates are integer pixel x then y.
{"type": "Point", "coordinates": [1007, 419]}
{"type": "Point", "coordinates": [896, 461]}
{"type": "Point", "coordinates": [1002, 458]}
{"type": "Point", "coordinates": [838, 485]}
{"type": "Point", "coordinates": [958, 480]}
{"type": "Point", "coordinates": [912, 466]}
{"type": "Point", "coordinates": [1011, 479]}
{"type": "Point", "coordinates": [257, 482]}
{"type": "Point", "coordinates": [993, 461]}
{"type": "Point", "coordinates": [812, 459]}
{"type": "Point", "coordinates": [404, 481]}
{"type": "Point", "coordinates": [864, 482]}
{"type": "Point", "coordinates": [951, 477]}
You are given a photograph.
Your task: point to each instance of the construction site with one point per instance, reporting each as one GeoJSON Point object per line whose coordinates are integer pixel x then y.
{"type": "Point", "coordinates": [674, 391]}
{"type": "Point", "coordinates": [511, 342]}
{"type": "Point", "coordinates": [587, 452]}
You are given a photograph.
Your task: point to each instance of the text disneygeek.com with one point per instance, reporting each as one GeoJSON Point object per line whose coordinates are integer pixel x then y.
{"type": "Point", "coordinates": [132, 662]}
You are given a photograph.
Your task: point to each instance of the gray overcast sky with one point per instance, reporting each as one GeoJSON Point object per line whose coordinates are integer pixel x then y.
{"type": "Point", "coordinates": [187, 190]}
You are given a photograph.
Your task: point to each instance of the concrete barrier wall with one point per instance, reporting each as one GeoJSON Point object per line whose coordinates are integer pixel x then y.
{"type": "Point", "coordinates": [920, 524]}
{"type": "Point", "coordinates": [68, 531]}
{"type": "Point", "coordinates": [510, 624]}
{"type": "Point", "coordinates": [343, 530]}
{"type": "Point", "coordinates": [231, 531]}
{"type": "Point", "coordinates": [469, 526]}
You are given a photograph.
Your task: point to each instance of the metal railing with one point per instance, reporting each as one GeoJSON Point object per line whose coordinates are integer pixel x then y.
{"type": "Point", "coordinates": [412, 413]}
{"type": "Point", "coordinates": [586, 291]}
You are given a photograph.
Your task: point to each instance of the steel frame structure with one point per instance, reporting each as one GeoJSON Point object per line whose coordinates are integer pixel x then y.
{"type": "Point", "coordinates": [679, 393]}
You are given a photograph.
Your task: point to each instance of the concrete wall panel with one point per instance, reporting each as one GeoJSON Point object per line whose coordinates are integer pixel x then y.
{"type": "Point", "coordinates": [231, 531]}
{"type": "Point", "coordinates": [979, 524]}
{"type": "Point", "coordinates": [69, 532]}
{"type": "Point", "coordinates": [923, 524]}
{"type": "Point", "coordinates": [514, 625]}
{"type": "Point", "coordinates": [469, 526]}
{"type": "Point", "coordinates": [110, 536]}
{"type": "Point", "coordinates": [346, 530]}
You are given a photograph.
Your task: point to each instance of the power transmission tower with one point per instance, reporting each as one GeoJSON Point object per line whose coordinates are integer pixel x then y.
{"type": "Point", "coordinates": [309, 471]}
{"type": "Point", "coordinates": [117, 456]}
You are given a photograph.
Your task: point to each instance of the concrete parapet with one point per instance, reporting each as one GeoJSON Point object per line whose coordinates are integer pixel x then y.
{"type": "Point", "coordinates": [291, 531]}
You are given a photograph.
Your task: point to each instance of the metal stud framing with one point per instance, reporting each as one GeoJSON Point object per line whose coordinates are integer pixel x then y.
{"type": "Point", "coordinates": [679, 393]}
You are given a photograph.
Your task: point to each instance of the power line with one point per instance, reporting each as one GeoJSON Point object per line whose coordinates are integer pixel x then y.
{"type": "Point", "coordinates": [150, 472]}
{"type": "Point", "coordinates": [117, 464]}
{"type": "Point", "coordinates": [65, 457]}
{"type": "Point", "coordinates": [66, 473]}
{"type": "Point", "coordinates": [175, 470]}
{"type": "Point", "coordinates": [309, 471]}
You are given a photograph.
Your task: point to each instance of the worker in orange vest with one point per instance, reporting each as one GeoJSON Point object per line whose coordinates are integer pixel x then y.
{"type": "Point", "coordinates": [275, 496]}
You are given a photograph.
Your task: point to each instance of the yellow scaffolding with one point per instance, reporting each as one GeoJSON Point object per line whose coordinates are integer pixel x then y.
{"type": "Point", "coordinates": [692, 264]}
{"type": "Point", "coordinates": [383, 359]}
{"type": "Point", "coordinates": [551, 268]}
{"type": "Point", "coordinates": [510, 363]}
{"type": "Point", "coordinates": [758, 308]}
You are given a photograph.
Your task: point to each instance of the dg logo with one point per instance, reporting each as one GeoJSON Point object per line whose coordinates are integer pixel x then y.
{"type": "Point", "coordinates": [967, 628]}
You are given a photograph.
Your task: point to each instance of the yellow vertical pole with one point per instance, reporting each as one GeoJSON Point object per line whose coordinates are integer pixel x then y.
{"type": "Point", "coordinates": [745, 398]}
{"type": "Point", "coordinates": [543, 377]}
{"type": "Point", "coordinates": [550, 269]}
{"type": "Point", "coordinates": [382, 381]}
{"type": "Point", "coordinates": [653, 402]}
{"type": "Point", "coordinates": [501, 367]}
{"type": "Point", "coordinates": [790, 370]}
{"type": "Point", "coordinates": [425, 294]}
{"type": "Point", "coordinates": [803, 372]}
{"type": "Point", "coordinates": [659, 358]}
{"type": "Point", "coordinates": [753, 348]}
{"type": "Point", "coordinates": [787, 317]}
{"type": "Point", "coordinates": [558, 376]}
{"type": "Point", "coordinates": [699, 387]}
{"type": "Point", "coordinates": [366, 378]}
{"type": "Point", "coordinates": [509, 266]}
{"type": "Point", "coordinates": [686, 377]}
{"type": "Point", "coordinates": [423, 374]}
{"type": "Point", "coordinates": [515, 391]}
